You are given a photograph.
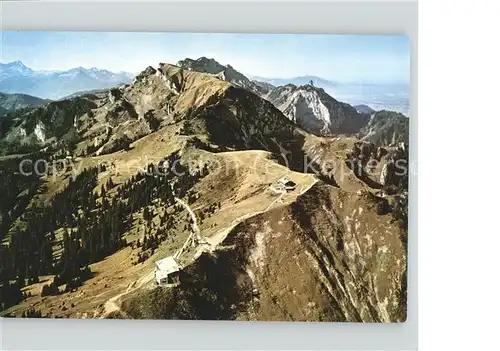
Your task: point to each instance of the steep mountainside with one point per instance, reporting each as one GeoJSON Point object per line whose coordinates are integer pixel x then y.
{"type": "Point", "coordinates": [186, 163]}
{"type": "Point", "coordinates": [325, 234]}
{"type": "Point", "coordinates": [316, 111]}
{"type": "Point", "coordinates": [264, 86]}
{"type": "Point", "coordinates": [15, 77]}
{"type": "Point", "coordinates": [52, 120]}
{"type": "Point", "coordinates": [307, 105]}
{"type": "Point", "coordinates": [386, 128]}
{"type": "Point", "coordinates": [228, 115]}
{"type": "Point", "coordinates": [327, 256]}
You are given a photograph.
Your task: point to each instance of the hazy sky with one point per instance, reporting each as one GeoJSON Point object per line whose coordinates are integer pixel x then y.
{"type": "Point", "coordinates": [343, 58]}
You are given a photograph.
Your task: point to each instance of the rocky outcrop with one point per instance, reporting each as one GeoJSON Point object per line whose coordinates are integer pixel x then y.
{"type": "Point", "coordinates": [40, 132]}
{"type": "Point", "coordinates": [395, 173]}
{"type": "Point", "coordinates": [141, 77]}
{"type": "Point", "coordinates": [172, 76]}
{"type": "Point", "coordinates": [384, 174]}
{"type": "Point", "coordinates": [202, 64]}
{"type": "Point", "coordinates": [114, 95]}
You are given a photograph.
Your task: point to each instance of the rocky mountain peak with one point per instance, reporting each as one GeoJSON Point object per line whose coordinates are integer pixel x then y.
{"type": "Point", "coordinates": [227, 73]}
{"type": "Point", "coordinates": [316, 111]}
{"type": "Point", "coordinates": [16, 65]}
{"type": "Point", "coordinates": [202, 64]}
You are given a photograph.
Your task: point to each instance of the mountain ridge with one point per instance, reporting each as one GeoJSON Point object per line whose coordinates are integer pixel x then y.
{"type": "Point", "coordinates": [224, 72]}
{"type": "Point", "coordinates": [362, 108]}
{"type": "Point", "coordinates": [307, 104]}
{"type": "Point", "coordinates": [12, 102]}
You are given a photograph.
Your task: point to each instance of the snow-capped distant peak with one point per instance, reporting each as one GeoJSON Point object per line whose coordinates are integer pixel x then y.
{"type": "Point", "coordinates": [15, 77]}
{"type": "Point", "coordinates": [17, 65]}
{"type": "Point", "coordinates": [14, 68]}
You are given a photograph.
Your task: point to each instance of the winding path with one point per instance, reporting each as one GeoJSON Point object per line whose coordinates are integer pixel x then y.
{"type": "Point", "coordinates": [113, 304]}
{"type": "Point", "coordinates": [196, 229]}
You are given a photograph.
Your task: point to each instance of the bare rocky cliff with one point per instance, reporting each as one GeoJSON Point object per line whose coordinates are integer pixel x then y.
{"type": "Point", "coordinates": [328, 256]}
{"type": "Point", "coordinates": [316, 111]}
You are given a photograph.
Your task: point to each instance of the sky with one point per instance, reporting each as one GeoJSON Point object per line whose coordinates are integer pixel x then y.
{"type": "Point", "coordinates": [342, 58]}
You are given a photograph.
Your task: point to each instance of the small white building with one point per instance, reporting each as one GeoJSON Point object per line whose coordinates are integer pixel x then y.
{"type": "Point", "coordinates": [167, 272]}
{"type": "Point", "coordinates": [287, 184]}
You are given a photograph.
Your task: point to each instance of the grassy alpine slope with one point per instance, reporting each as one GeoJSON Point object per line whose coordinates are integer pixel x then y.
{"type": "Point", "coordinates": [332, 249]}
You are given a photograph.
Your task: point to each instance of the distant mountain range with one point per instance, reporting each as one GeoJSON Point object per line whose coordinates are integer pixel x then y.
{"type": "Point", "coordinates": [16, 77]}
{"type": "Point", "coordinates": [302, 80]}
